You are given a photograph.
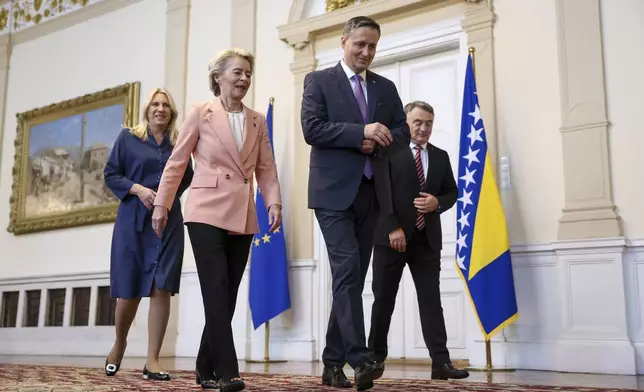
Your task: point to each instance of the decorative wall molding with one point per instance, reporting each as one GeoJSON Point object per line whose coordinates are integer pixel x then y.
{"type": "Point", "coordinates": [19, 18]}
{"type": "Point", "coordinates": [589, 210]}
{"type": "Point", "coordinates": [539, 340]}
{"type": "Point", "coordinates": [425, 40]}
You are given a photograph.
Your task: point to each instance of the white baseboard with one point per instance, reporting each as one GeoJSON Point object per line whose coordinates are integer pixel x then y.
{"type": "Point", "coordinates": [564, 324]}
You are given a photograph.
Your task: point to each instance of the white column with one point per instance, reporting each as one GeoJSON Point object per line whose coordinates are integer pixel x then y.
{"type": "Point", "coordinates": [594, 333]}
{"type": "Point", "coordinates": [243, 34]}
{"type": "Point", "coordinates": [176, 51]}
{"type": "Point", "coordinates": [176, 66]}
{"type": "Point", "coordinates": [5, 57]}
{"type": "Point", "coordinates": [589, 211]}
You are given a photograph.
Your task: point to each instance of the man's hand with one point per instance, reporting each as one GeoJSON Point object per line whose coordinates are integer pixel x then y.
{"type": "Point", "coordinates": [378, 133]}
{"type": "Point", "coordinates": [425, 203]}
{"type": "Point", "coordinates": [274, 217]}
{"type": "Point", "coordinates": [159, 219]}
{"type": "Point", "coordinates": [367, 146]}
{"type": "Point", "coordinates": [397, 240]}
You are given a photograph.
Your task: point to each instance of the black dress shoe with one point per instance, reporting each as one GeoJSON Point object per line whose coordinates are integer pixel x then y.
{"type": "Point", "coordinates": [209, 382]}
{"type": "Point", "coordinates": [366, 373]}
{"type": "Point", "coordinates": [160, 376]}
{"type": "Point", "coordinates": [232, 385]}
{"type": "Point", "coordinates": [446, 371]}
{"type": "Point", "coordinates": [335, 377]}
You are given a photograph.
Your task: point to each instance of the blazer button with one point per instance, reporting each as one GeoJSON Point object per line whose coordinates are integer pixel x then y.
{"type": "Point", "coordinates": [246, 181]}
{"type": "Point", "coordinates": [228, 176]}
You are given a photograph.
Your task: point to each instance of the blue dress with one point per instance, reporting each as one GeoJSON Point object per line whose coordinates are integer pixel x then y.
{"type": "Point", "coordinates": [139, 258]}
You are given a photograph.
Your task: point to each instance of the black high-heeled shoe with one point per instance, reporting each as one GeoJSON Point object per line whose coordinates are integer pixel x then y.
{"type": "Point", "coordinates": [160, 376]}
{"type": "Point", "coordinates": [111, 368]}
{"type": "Point", "coordinates": [212, 383]}
{"type": "Point", "coordinates": [235, 384]}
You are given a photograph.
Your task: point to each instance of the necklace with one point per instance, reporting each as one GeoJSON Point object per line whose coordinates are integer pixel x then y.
{"type": "Point", "coordinates": [228, 110]}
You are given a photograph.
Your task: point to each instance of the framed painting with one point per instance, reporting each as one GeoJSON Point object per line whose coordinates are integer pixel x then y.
{"type": "Point", "coordinates": [60, 152]}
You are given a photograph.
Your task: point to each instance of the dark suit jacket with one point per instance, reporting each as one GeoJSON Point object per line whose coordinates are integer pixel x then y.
{"type": "Point", "coordinates": [398, 189]}
{"type": "Point", "coordinates": [333, 126]}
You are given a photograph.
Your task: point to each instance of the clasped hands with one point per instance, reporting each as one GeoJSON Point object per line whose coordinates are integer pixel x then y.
{"type": "Point", "coordinates": [424, 203]}
{"type": "Point", "coordinates": [375, 133]}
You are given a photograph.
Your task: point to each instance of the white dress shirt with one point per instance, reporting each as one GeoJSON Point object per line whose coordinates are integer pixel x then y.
{"type": "Point", "coordinates": [236, 121]}
{"type": "Point", "coordinates": [424, 157]}
{"type": "Point", "coordinates": [350, 75]}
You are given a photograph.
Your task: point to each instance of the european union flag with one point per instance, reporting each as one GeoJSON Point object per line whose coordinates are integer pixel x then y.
{"type": "Point", "coordinates": [269, 292]}
{"type": "Point", "coordinates": [482, 245]}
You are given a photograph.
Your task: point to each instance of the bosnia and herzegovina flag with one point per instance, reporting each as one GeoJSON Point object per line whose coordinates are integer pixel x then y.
{"type": "Point", "coordinates": [482, 245]}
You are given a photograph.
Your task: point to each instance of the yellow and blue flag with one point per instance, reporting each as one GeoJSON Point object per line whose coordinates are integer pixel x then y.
{"type": "Point", "coordinates": [269, 292]}
{"type": "Point", "coordinates": [482, 245]}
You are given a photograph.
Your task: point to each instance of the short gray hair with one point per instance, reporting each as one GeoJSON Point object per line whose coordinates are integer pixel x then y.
{"type": "Point", "coordinates": [419, 104]}
{"type": "Point", "coordinates": [218, 65]}
{"type": "Point", "coordinates": [358, 22]}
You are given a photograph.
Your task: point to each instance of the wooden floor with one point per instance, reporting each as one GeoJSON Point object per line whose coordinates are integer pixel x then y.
{"type": "Point", "coordinates": [394, 370]}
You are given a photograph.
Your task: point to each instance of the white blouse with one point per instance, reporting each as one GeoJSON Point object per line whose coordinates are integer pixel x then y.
{"type": "Point", "coordinates": [236, 121]}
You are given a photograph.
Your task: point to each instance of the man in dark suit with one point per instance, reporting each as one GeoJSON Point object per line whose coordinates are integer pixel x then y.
{"type": "Point", "coordinates": [418, 187]}
{"type": "Point", "coordinates": [348, 115]}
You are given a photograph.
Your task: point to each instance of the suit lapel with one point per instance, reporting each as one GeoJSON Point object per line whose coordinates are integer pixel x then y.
{"type": "Point", "coordinates": [345, 87]}
{"type": "Point", "coordinates": [218, 120]}
{"type": "Point", "coordinates": [251, 130]}
{"type": "Point", "coordinates": [372, 97]}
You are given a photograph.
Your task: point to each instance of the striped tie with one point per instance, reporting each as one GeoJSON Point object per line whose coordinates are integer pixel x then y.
{"type": "Point", "coordinates": [420, 218]}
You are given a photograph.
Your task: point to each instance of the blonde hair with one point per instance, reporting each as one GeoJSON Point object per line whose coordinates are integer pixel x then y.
{"type": "Point", "coordinates": [218, 65]}
{"type": "Point", "coordinates": [140, 130]}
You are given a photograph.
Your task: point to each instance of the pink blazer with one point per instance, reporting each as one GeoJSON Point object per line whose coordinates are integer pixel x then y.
{"type": "Point", "coordinates": [221, 193]}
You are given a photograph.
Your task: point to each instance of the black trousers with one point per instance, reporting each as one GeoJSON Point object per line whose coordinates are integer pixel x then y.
{"type": "Point", "coordinates": [221, 260]}
{"type": "Point", "coordinates": [424, 265]}
{"type": "Point", "coordinates": [349, 240]}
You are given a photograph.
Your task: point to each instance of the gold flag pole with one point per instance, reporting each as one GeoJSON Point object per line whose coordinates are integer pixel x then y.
{"type": "Point", "coordinates": [267, 326]}
{"type": "Point", "coordinates": [488, 345]}
{"type": "Point", "coordinates": [267, 358]}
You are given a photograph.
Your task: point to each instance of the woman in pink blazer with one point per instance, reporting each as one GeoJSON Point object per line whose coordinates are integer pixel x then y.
{"type": "Point", "coordinates": [229, 142]}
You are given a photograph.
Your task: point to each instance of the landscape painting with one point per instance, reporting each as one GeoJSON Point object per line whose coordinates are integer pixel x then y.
{"type": "Point", "coordinates": [61, 151]}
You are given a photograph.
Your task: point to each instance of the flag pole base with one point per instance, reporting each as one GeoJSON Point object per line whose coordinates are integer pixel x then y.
{"type": "Point", "coordinates": [488, 368]}
{"type": "Point", "coordinates": [266, 360]}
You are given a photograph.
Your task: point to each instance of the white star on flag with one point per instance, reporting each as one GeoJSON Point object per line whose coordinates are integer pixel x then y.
{"type": "Point", "coordinates": [475, 135]}
{"type": "Point", "coordinates": [468, 177]}
{"type": "Point", "coordinates": [466, 198]}
{"type": "Point", "coordinates": [460, 261]}
{"type": "Point", "coordinates": [460, 242]}
{"type": "Point", "coordinates": [472, 157]}
{"type": "Point", "coordinates": [476, 114]}
{"type": "Point", "coordinates": [463, 219]}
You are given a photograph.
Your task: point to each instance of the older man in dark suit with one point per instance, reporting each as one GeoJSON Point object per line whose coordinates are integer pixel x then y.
{"type": "Point", "coordinates": [416, 186]}
{"type": "Point", "coordinates": [348, 115]}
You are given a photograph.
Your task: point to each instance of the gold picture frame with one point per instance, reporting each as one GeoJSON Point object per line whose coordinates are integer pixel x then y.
{"type": "Point", "coordinates": [60, 152]}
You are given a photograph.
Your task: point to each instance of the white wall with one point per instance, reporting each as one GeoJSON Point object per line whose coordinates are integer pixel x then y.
{"type": "Point", "coordinates": [123, 46]}
{"type": "Point", "coordinates": [528, 117]}
{"type": "Point", "coordinates": [622, 26]}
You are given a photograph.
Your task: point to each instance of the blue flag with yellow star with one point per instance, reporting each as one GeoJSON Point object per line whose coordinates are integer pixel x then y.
{"type": "Point", "coordinates": [269, 290]}
{"type": "Point", "coordinates": [482, 247]}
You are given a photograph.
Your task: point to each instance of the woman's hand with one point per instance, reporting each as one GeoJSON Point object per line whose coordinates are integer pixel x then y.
{"type": "Point", "coordinates": [159, 219]}
{"type": "Point", "coordinates": [144, 194]}
{"type": "Point", "coordinates": [274, 217]}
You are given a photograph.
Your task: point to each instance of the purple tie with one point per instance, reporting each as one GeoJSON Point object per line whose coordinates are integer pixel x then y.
{"type": "Point", "coordinates": [362, 104]}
